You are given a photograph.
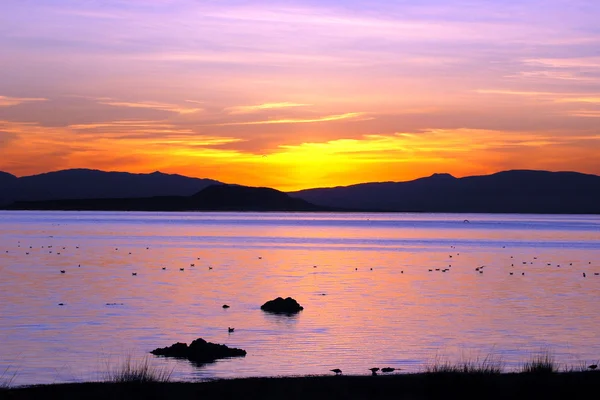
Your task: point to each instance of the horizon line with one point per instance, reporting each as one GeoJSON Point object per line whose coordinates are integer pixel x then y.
{"type": "Point", "coordinates": [299, 190]}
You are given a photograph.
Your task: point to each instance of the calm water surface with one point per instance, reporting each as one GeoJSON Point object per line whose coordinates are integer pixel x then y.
{"type": "Point", "coordinates": [364, 280]}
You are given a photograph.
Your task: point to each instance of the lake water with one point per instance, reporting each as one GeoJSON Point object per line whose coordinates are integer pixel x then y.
{"type": "Point", "coordinates": [364, 280]}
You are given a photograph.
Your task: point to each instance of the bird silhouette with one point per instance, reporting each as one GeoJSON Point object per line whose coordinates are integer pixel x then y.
{"type": "Point", "coordinates": [374, 370]}
{"type": "Point", "coordinates": [388, 369]}
{"type": "Point", "coordinates": [230, 329]}
{"type": "Point", "coordinates": [337, 371]}
{"type": "Point", "coordinates": [593, 366]}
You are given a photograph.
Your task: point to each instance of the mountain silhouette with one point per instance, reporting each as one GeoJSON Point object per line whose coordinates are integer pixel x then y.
{"type": "Point", "coordinates": [236, 197]}
{"type": "Point", "coordinates": [218, 197]}
{"type": "Point", "coordinates": [516, 191]}
{"type": "Point", "coordinates": [94, 184]}
{"type": "Point", "coordinates": [6, 180]}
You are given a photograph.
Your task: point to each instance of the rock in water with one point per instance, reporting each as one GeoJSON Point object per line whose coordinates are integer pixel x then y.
{"type": "Point", "coordinates": [199, 351]}
{"type": "Point", "coordinates": [280, 305]}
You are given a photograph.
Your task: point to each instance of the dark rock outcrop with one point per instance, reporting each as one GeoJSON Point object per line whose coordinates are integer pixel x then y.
{"type": "Point", "coordinates": [199, 351]}
{"type": "Point", "coordinates": [283, 306]}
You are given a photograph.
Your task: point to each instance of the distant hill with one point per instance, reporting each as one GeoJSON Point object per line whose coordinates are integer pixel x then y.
{"type": "Point", "coordinates": [6, 180]}
{"type": "Point", "coordinates": [218, 197]}
{"type": "Point", "coordinates": [94, 184]}
{"type": "Point", "coordinates": [235, 197]}
{"type": "Point", "coordinates": [5, 177]}
{"type": "Point", "coordinates": [517, 191]}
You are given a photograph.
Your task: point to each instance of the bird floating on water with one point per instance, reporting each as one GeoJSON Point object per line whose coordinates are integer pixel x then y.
{"type": "Point", "coordinates": [62, 271]}
{"type": "Point", "coordinates": [230, 329]}
{"type": "Point", "coordinates": [134, 273]}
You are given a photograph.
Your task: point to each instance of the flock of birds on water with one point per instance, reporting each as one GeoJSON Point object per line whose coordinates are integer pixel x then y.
{"type": "Point", "coordinates": [337, 371]}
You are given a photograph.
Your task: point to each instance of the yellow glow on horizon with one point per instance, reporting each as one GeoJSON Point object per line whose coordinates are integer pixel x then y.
{"type": "Point", "coordinates": [144, 146]}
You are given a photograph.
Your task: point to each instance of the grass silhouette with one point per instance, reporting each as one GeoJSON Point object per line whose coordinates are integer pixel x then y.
{"type": "Point", "coordinates": [142, 371]}
{"type": "Point", "coordinates": [475, 378]}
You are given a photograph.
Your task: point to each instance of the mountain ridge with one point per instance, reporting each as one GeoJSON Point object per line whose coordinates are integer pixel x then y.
{"type": "Point", "coordinates": [81, 183]}
{"type": "Point", "coordinates": [519, 190]}
{"type": "Point", "coordinates": [217, 197]}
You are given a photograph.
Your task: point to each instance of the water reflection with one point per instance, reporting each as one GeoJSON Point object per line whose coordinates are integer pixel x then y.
{"type": "Point", "coordinates": [363, 279]}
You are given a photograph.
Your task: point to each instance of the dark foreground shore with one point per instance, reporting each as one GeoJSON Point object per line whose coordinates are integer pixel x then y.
{"type": "Point", "coordinates": [575, 385]}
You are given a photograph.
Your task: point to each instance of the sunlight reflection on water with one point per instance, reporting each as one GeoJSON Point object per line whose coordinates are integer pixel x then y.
{"type": "Point", "coordinates": [363, 279]}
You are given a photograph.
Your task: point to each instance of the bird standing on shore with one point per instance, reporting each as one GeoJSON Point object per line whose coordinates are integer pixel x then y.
{"type": "Point", "coordinates": [374, 371]}
{"type": "Point", "coordinates": [337, 371]}
{"type": "Point", "coordinates": [593, 366]}
{"type": "Point", "coordinates": [388, 369]}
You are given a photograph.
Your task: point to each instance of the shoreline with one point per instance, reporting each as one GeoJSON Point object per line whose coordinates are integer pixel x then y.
{"type": "Point", "coordinates": [416, 386]}
{"type": "Point", "coordinates": [503, 213]}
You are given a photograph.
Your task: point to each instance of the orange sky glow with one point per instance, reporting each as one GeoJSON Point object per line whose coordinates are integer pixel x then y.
{"type": "Point", "coordinates": [299, 95]}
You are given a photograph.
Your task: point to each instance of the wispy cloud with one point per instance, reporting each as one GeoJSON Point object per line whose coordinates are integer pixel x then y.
{"type": "Point", "coordinates": [592, 100]}
{"type": "Point", "coordinates": [514, 92]}
{"type": "Point", "coordinates": [262, 107]}
{"type": "Point", "coordinates": [352, 116]}
{"type": "Point", "coordinates": [572, 62]}
{"type": "Point", "coordinates": [6, 101]}
{"type": "Point", "coordinates": [152, 105]}
{"type": "Point", "coordinates": [585, 113]}
{"type": "Point", "coordinates": [557, 97]}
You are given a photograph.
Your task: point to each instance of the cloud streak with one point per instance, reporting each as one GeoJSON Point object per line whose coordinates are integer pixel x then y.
{"type": "Point", "coordinates": [6, 101]}
{"type": "Point", "coordinates": [263, 107]}
{"type": "Point", "coordinates": [356, 116]}
{"type": "Point", "coordinates": [152, 105]}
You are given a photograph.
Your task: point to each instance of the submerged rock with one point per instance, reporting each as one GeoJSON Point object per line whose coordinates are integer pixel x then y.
{"type": "Point", "coordinates": [199, 351]}
{"type": "Point", "coordinates": [280, 305]}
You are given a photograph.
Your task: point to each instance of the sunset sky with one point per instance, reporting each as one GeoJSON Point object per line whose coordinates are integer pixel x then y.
{"type": "Point", "coordinates": [298, 94]}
